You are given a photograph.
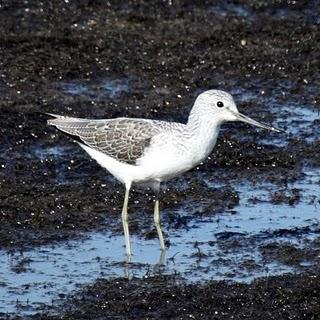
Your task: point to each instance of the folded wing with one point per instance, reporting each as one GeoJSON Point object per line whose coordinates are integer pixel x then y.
{"type": "Point", "coordinates": [124, 139]}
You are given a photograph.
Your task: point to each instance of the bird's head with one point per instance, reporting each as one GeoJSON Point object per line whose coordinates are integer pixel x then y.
{"type": "Point", "coordinates": [220, 106]}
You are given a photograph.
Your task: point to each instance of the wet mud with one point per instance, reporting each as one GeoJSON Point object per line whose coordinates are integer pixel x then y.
{"type": "Point", "coordinates": [249, 211]}
{"type": "Point", "coordinates": [161, 298]}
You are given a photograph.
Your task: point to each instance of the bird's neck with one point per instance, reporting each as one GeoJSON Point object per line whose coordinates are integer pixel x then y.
{"type": "Point", "coordinates": [203, 124]}
{"type": "Point", "coordinates": [203, 133]}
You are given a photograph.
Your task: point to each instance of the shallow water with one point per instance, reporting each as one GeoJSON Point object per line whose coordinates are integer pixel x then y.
{"type": "Point", "coordinates": [299, 118]}
{"type": "Point", "coordinates": [231, 8]}
{"type": "Point", "coordinates": [225, 247]}
{"type": "Point", "coordinates": [243, 11]}
{"type": "Point", "coordinates": [106, 88]}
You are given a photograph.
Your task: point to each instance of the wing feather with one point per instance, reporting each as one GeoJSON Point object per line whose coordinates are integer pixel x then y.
{"type": "Point", "coordinates": [124, 139]}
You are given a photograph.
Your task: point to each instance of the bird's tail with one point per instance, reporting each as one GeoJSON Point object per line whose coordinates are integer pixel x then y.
{"type": "Point", "coordinates": [56, 118]}
{"type": "Point", "coordinates": [59, 120]}
{"type": "Point", "coordinates": [74, 127]}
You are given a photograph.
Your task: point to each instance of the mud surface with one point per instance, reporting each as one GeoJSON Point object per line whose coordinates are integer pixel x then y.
{"type": "Point", "coordinates": [162, 298]}
{"type": "Point", "coordinates": [150, 59]}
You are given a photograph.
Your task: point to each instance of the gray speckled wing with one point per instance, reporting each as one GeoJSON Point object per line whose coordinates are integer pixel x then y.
{"type": "Point", "coordinates": [122, 138]}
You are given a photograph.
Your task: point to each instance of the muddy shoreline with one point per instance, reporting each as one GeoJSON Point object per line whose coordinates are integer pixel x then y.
{"type": "Point", "coordinates": [150, 59]}
{"type": "Point", "coordinates": [164, 298]}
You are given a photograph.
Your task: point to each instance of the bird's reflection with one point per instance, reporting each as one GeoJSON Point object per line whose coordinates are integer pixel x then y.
{"type": "Point", "coordinates": [129, 265]}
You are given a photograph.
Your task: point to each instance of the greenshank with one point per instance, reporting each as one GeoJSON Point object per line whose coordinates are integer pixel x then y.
{"type": "Point", "coordinates": [147, 151]}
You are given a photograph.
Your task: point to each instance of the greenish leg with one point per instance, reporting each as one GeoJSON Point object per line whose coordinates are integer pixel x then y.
{"type": "Point", "coordinates": [125, 223]}
{"type": "Point", "coordinates": [157, 218]}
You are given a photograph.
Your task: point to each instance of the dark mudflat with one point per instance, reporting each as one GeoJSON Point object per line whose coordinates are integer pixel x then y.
{"type": "Point", "coordinates": [287, 297]}
{"type": "Point", "coordinates": [150, 59]}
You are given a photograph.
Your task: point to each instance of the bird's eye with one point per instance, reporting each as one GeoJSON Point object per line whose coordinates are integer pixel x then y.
{"type": "Point", "coordinates": [220, 104]}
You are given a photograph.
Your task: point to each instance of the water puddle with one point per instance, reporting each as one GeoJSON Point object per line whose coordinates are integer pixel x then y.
{"type": "Point", "coordinates": [47, 153]}
{"type": "Point", "coordinates": [230, 8]}
{"type": "Point", "coordinates": [226, 246]}
{"type": "Point", "coordinates": [299, 119]}
{"type": "Point", "coordinates": [250, 13]}
{"type": "Point", "coordinates": [62, 158]}
{"type": "Point", "coordinates": [106, 88]}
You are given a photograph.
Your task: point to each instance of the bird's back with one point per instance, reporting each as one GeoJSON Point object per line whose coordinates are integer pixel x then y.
{"type": "Point", "coordinates": [124, 139]}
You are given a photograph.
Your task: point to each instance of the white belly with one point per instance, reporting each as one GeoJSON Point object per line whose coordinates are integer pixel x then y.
{"type": "Point", "coordinates": [152, 169]}
{"type": "Point", "coordinates": [164, 160]}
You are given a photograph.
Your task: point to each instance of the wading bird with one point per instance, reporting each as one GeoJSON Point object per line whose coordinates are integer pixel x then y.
{"type": "Point", "coordinates": [150, 151]}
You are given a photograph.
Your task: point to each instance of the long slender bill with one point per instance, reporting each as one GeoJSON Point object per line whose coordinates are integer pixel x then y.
{"type": "Point", "coordinates": [243, 118]}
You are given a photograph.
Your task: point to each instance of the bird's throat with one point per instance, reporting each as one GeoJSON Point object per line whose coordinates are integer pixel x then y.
{"type": "Point", "coordinates": [202, 137]}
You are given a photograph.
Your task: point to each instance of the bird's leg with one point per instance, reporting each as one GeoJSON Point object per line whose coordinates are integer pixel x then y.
{"type": "Point", "coordinates": [157, 216]}
{"type": "Point", "coordinates": [162, 258]}
{"type": "Point", "coordinates": [125, 223]}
